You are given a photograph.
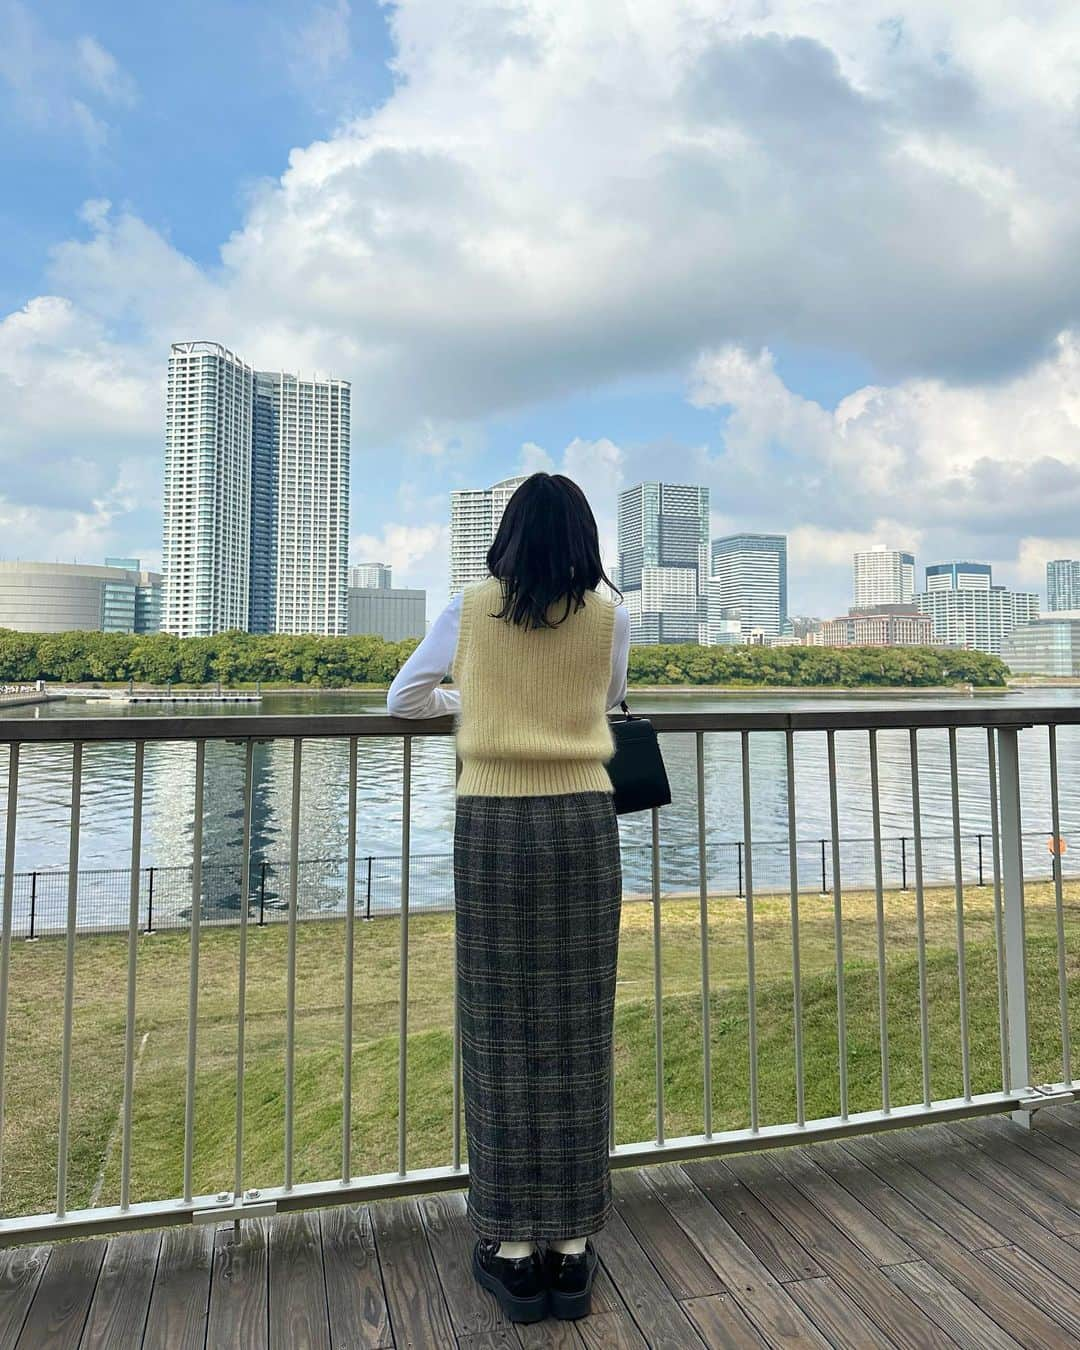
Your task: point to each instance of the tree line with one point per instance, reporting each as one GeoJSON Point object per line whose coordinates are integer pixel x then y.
{"type": "Point", "coordinates": [336, 662]}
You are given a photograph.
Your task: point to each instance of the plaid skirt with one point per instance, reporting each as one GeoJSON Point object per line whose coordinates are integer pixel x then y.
{"type": "Point", "coordinates": [538, 895]}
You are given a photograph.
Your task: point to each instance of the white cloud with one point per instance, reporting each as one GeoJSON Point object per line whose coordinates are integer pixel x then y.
{"type": "Point", "coordinates": [103, 73]}
{"type": "Point", "coordinates": [417, 553]}
{"type": "Point", "coordinates": [988, 471]}
{"type": "Point", "coordinates": [54, 85]}
{"type": "Point", "coordinates": [537, 208]}
{"type": "Point", "coordinates": [322, 44]}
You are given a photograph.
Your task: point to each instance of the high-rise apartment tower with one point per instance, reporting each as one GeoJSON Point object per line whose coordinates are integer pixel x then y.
{"type": "Point", "coordinates": [752, 571]}
{"type": "Point", "coordinates": [475, 514]}
{"type": "Point", "coordinates": [663, 538]}
{"type": "Point", "coordinates": [1063, 584]}
{"type": "Point", "coordinates": [883, 576]}
{"type": "Point", "coordinates": [256, 498]}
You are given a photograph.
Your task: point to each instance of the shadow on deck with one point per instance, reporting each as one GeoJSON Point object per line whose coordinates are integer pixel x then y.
{"type": "Point", "coordinates": [966, 1234]}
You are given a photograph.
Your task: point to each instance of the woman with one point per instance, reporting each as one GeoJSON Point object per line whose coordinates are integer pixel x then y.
{"type": "Point", "coordinates": [538, 657]}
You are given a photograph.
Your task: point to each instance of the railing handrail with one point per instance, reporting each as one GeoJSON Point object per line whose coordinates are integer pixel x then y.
{"type": "Point", "coordinates": [312, 726]}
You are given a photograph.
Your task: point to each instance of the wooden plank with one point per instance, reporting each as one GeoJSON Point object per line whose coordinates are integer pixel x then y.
{"type": "Point", "coordinates": [451, 1238]}
{"type": "Point", "coordinates": [178, 1305]}
{"type": "Point", "coordinates": [122, 1297]}
{"type": "Point", "coordinates": [414, 1299]}
{"type": "Point", "coordinates": [979, 1195]}
{"type": "Point", "coordinates": [687, 1195]}
{"type": "Point", "coordinates": [682, 1267]}
{"type": "Point", "coordinates": [1027, 1324]}
{"type": "Point", "coordinates": [1060, 1300]}
{"type": "Point", "coordinates": [20, 1271]}
{"type": "Point", "coordinates": [239, 1297]}
{"type": "Point", "coordinates": [298, 1313]}
{"type": "Point", "coordinates": [859, 1224]}
{"type": "Point", "coordinates": [873, 1153]}
{"type": "Point", "coordinates": [843, 1324]}
{"type": "Point", "coordinates": [554, 1333]}
{"type": "Point", "coordinates": [954, 1313]}
{"type": "Point", "coordinates": [1040, 1146]}
{"type": "Point", "coordinates": [354, 1287]}
{"type": "Point", "coordinates": [770, 1241]}
{"type": "Point", "coordinates": [1060, 1125]}
{"type": "Point", "coordinates": [721, 1324]}
{"type": "Point", "coordinates": [887, 1308]}
{"type": "Point", "coordinates": [58, 1312]}
{"type": "Point", "coordinates": [659, 1318]}
{"type": "Point", "coordinates": [1017, 1177]}
{"type": "Point", "coordinates": [494, 1338]}
{"type": "Point", "coordinates": [737, 1264]}
{"type": "Point", "coordinates": [610, 1331]}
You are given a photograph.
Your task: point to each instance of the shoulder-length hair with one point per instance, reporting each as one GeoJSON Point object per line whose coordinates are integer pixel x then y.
{"type": "Point", "coordinates": [546, 551]}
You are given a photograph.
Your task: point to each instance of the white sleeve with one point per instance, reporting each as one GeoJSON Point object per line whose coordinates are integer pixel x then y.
{"type": "Point", "coordinates": [416, 691]}
{"type": "Point", "coordinates": [620, 653]}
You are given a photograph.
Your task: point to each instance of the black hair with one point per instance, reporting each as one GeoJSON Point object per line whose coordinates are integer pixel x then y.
{"type": "Point", "coordinates": [546, 550]}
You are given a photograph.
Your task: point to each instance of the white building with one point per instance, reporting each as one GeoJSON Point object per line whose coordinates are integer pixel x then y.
{"type": "Point", "coordinates": [206, 552]}
{"type": "Point", "coordinates": [968, 610]}
{"type": "Point", "coordinates": [39, 597]}
{"type": "Point", "coordinates": [752, 573]}
{"type": "Point", "coordinates": [663, 539]}
{"type": "Point", "coordinates": [882, 576]}
{"type": "Point", "coordinates": [722, 626]}
{"type": "Point", "coordinates": [310, 532]}
{"type": "Point", "coordinates": [1049, 646]}
{"type": "Point", "coordinates": [475, 514]}
{"type": "Point", "coordinates": [256, 499]}
{"type": "Point", "coordinates": [370, 576]}
{"type": "Point", "coordinates": [1063, 584]}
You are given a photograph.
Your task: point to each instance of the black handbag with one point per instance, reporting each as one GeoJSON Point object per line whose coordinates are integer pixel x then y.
{"type": "Point", "coordinates": [637, 769]}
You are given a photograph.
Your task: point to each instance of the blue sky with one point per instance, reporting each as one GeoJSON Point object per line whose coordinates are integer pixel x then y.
{"type": "Point", "coordinates": [818, 258]}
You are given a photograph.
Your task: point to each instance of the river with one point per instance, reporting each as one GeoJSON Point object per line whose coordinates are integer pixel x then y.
{"type": "Point", "coordinates": [44, 806]}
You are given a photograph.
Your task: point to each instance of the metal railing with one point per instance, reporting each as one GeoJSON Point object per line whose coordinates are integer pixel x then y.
{"type": "Point", "coordinates": [997, 728]}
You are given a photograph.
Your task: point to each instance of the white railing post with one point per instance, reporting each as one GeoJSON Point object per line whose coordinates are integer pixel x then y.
{"type": "Point", "coordinates": [1012, 879]}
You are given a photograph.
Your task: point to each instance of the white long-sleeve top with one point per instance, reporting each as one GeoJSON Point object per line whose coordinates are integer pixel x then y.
{"type": "Point", "coordinates": [417, 689]}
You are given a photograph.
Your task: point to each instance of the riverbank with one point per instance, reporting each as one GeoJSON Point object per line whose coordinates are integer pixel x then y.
{"type": "Point", "coordinates": [104, 689]}
{"type": "Point", "coordinates": [37, 1016]}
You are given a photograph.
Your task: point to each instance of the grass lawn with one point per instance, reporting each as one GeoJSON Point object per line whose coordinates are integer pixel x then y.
{"type": "Point", "coordinates": [36, 1018]}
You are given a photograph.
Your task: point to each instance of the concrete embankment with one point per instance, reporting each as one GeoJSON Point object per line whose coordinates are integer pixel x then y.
{"type": "Point", "coordinates": [19, 700]}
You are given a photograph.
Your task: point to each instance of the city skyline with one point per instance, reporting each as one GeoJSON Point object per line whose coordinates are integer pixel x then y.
{"type": "Point", "coordinates": [822, 374]}
{"type": "Point", "coordinates": [883, 578]}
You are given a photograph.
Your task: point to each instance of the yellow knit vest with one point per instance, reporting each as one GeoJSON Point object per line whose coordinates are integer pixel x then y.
{"type": "Point", "coordinates": [533, 719]}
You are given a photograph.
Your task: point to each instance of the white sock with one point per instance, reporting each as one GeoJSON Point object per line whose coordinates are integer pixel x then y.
{"type": "Point", "coordinates": [568, 1246]}
{"type": "Point", "coordinates": [513, 1250]}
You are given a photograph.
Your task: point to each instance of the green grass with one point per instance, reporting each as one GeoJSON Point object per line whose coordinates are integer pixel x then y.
{"type": "Point", "coordinates": [36, 1019]}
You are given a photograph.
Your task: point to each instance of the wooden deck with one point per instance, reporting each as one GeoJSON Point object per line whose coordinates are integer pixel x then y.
{"type": "Point", "coordinates": [966, 1234]}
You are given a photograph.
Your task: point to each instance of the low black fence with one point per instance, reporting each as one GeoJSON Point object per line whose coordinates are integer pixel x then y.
{"type": "Point", "coordinates": [102, 897]}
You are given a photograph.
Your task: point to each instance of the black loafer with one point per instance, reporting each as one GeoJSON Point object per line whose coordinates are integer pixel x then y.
{"type": "Point", "coordinates": [569, 1280]}
{"type": "Point", "coordinates": [517, 1282]}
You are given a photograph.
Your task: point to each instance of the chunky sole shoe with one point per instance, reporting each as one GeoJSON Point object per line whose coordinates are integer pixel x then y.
{"type": "Point", "coordinates": [569, 1305]}
{"type": "Point", "coordinates": [517, 1307]}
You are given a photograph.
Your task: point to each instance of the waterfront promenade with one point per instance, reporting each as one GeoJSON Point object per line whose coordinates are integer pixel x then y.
{"type": "Point", "coordinates": [841, 1119]}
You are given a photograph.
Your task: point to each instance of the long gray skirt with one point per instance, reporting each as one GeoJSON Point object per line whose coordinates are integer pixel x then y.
{"type": "Point", "coordinates": [538, 892]}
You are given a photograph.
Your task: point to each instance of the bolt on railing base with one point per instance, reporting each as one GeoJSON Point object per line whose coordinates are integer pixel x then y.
{"type": "Point", "coordinates": [1054, 1094]}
